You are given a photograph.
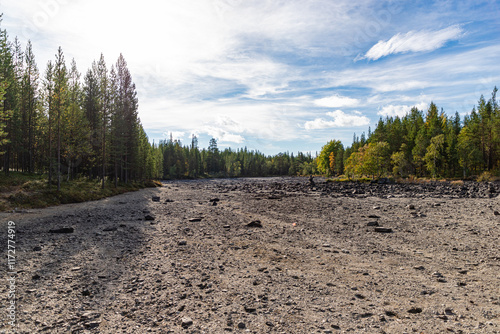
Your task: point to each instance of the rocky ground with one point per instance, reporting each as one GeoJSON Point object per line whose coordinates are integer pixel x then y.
{"type": "Point", "coordinates": [272, 255]}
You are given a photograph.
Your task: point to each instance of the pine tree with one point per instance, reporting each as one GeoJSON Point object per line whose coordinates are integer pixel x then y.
{"type": "Point", "coordinates": [49, 107]}
{"type": "Point", "coordinates": [29, 104]}
{"type": "Point", "coordinates": [104, 105]}
{"type": "Point", "coordinates": [59, 100]}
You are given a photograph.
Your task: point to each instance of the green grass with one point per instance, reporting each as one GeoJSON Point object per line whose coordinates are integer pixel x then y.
{"type": "Point", "coordinates": [18, 190]}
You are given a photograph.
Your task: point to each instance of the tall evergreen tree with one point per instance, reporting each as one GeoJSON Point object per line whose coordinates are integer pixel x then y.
{"type": "Point", "coordinates": [29, 105]}
{"type": "Point", "coordinates": [60, 101]}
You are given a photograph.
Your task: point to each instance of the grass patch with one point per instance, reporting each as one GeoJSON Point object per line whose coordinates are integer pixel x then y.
{"type": "Point", "coordinates": [25, 191]}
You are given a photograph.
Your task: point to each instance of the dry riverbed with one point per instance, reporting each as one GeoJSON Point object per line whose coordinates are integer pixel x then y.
{"type": "Point", "coordinates": [275, 255]}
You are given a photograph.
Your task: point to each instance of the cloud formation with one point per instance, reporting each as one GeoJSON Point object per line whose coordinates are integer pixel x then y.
{"type": "Point", "coordinates": [340, 120]}
{"type": "Point", "coordinates": [399, 110]}
{"type": "Point", "coordinates": [337, 101]}
{"type": "Point", "coordinates": [414, 41]}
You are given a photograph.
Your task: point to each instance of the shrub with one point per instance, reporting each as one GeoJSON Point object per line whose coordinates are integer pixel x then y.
{"type": "Point", "coordinates": [485, 177]}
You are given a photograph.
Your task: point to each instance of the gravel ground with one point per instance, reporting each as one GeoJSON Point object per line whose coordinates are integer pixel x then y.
{"type": "Point", "coordinates": [277, 255]}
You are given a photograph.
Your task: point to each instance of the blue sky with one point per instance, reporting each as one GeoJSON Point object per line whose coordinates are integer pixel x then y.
{"type": "Point", "coordinates": [275, 75]}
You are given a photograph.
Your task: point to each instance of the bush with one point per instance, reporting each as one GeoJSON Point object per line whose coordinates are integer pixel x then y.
{"type": "Point", "coordinates": [485, 177]}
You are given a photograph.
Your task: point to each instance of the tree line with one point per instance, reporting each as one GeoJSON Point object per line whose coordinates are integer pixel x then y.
{"type": "Point", "coordinates": [422, 145]}
{"type": "Point", "coordinates": [66, 125]}
{"type": "Point", "coordinates": [55, 123]}
{"type": "Point", "coordinates": [192, 162]}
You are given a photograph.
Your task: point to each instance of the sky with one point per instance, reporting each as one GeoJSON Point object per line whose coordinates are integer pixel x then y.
{"type": "Point", "coordinates": [275, 75]}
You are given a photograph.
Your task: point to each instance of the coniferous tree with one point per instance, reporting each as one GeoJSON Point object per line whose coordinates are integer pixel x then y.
{"type": "Point", "coordinates": [29, 104]}
{"type": "Point", "coordinates": [60, 103]}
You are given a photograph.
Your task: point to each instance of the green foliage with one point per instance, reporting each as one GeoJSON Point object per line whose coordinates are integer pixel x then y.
{"type": "Point", "coordinates": [434, 145]}
{"type": "Point", "coordinates": [330, 160]}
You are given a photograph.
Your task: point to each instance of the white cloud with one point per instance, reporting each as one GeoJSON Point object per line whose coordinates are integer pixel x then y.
{"type": "Point", "coordinates": [399, 110]}
{"type": "Point", "coordinates": [176, 135]}
{"type": "Point", "coordinates": [337, 101]}
{"type": "Point", "coordinates": [414, 41]}
{"type": "Point", "coordinates": [340, 120]}
{"type": "Point", "coordinates": [222, 135]}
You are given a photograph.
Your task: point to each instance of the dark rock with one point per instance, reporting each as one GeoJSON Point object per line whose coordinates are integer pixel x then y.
{"type": "Point", "coordinates": [194, 220]}
{"type": "Point", "coordinates": [149, 217]}
{"type": "Point", "coordinates": [62, 230]}
{"type": "Point", "coordinates": [391, 314]}
{"type": "Point", "coordinates": [37, 249]}
{"type": "Point", "coordinates": [372, 224]}
{"type": "Point", "coordinates": [496, 213]}
{"type": "Point", "coordinates": [242, 325]}
{"type": "Point", "coordinates": [35, 277]}
{"type": "Point", "coordinates": [169, 201]}
{"type": "Point", "coordinates": [255, 223]}
{"type": "Point", "coordinates": [415, 310]}
{"type": "Point", "coordinates": [182, 243]}
{"type": "Point", "coordinates": [214, 200]}
{"type": "Point", "coordinates": [373, 217]}
{"type": "Point", "coordinates": [250, 309]}
{"type": "Point", "coordinates": [110, 229]}
{"type": "Point", "coordinates": [155, 198]}
{"type": "Point", "coordinates": [383, 230]}
{"type": "Point", "coordinates": [92, 324]}
{"type": "Point", "coordinates": [186, 322]}
{"type": "Point", "coordinates": [85, 293]}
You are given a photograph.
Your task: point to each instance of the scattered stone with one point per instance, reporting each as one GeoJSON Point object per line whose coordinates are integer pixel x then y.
{"type": "Point", "coordinates": [496, 213]}
{"type": "Point", "coordinates": [415, 310]}
{"type": "Point", "coordinates": [37, 249]}
{"type": "Point", "coordinates": [155, 198]}
{"type": "Point", "coordinates": [419, 267]}
{"type": "Point", "coordinates": [255, 223]}
{"type": "Point", "coordinates": [182, 243]}
{"type": "Point", "coordinates": [250, 309]}
{"type": "Point", "coordinates": [373, 216]}
{"type": "Point", "coordinates": [62, 230]}
{"type": "Point", "coordinates": [391, 314]}
{"type": "Point", "coordinates": [110, 229]}
{"type": "Point", "coordinates": [449, 311]}
{"type": "Point", "coordinates": [186, 322]}
{"type": "Point", "coordinates": [194, 220]}
{"type": "Point", "coordinates": [169, 201]}
{"type": "Point", "coordinates": [410, 207]}
{"type": "Point", "coordinates": [242, 325]}
{"type": "Point", "coordinates": [273, 197]}
{"type": "Point", "coordinates": [383, 230]}
{"type": "Point", "coordinates": [149, 217]}
{"type": "Point", "coordinates": [92, 324]}
{"type": "Point", "coordinates": [372, 224]}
